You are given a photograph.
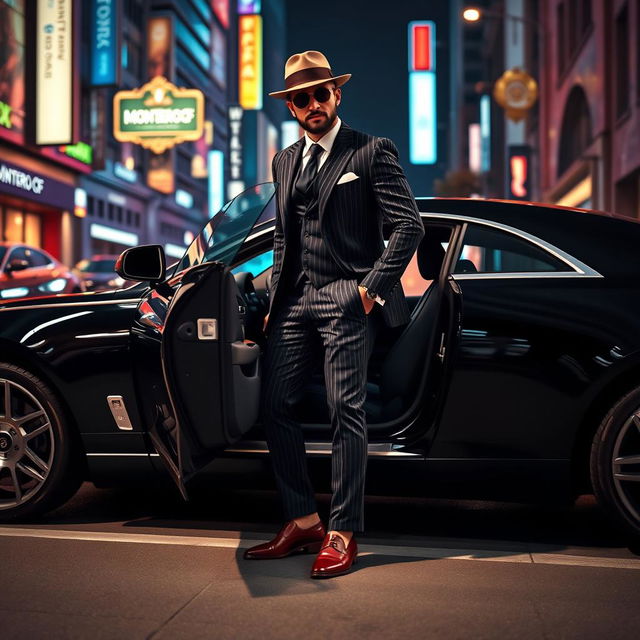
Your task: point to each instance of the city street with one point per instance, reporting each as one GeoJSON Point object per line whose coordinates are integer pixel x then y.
{"type": "Point", "coordinates": [138, 564]}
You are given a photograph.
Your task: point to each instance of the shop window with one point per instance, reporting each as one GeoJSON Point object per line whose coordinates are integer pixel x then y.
{"type": "Point", "coordinates": [100, 208]}
{"type": "Point", "coordinates": [91, 203]}
{"type": "Point", "coordinates": [488, 250]}
{"type": "Point", "coordinates": [110, 208]}
{"type": "Point", "coordinates": [128, 216]}
{"type": "Point", "coordinates": [622, 62]}
{"type": "Point", "coordinates": [32, 230]}
{"type": "Point", "coordinates": [13, 228]}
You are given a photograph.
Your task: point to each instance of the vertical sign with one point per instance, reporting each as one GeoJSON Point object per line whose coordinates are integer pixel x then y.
{"type": "Point", "coordinates": [423, 138]}
{"type": "Point", "coordinates": [54, 72]}
{"type": "Point", "coordinates": [475, 143]}
{"type": "Point", "coordinates": [485, 132]}
{"type": "Point", "coordinates": [519, 171]}
{"type": "Point", "coordinates": [250, 62]}
{"type": "Point", "coordinates": [104, 42]}
{"type": "Point", "coordinates": [236, 175]}
{"type": "Point", "coordinates": [221, 9]}
{"type": "Point", "coordinates": [216, 181]}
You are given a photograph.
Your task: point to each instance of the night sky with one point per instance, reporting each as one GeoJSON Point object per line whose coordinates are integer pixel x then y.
{"type": "Point", "coordinates": [369, 40]}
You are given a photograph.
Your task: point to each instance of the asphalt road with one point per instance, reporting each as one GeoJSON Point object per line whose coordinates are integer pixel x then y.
{"type": "Point", "coordinates": [143, 564]}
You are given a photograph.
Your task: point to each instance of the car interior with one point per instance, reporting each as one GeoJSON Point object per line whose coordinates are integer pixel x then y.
{"type": "Point", "coordinates": [403, 357]}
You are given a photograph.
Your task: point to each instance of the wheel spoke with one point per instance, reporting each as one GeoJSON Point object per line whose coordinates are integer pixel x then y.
{"type": "Point", "coordinates": [636, 420]}
{"type": "Point", "coordinates": [16, 484]}
{"type": "Point", "coordinates": [35, 458]}
{"type": "Point", "coordinates": [31, 416]}
{"type": "Point", "coordinates": [627, 460]}
{"type": "Point", "coordinates": [629, 477]}
{"type": "Point", "coordinates": [7, 399]}
{"type": "Point", "coordinates": [30, 472]}
{"type": "Point", "coordinates": [37, 432]}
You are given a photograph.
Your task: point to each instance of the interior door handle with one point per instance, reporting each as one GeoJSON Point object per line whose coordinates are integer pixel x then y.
{"type": "Point", "coordinates": [244, 352]}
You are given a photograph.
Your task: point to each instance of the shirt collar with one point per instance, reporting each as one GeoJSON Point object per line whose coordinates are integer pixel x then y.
{"type": "Point", "coordinates": [327, 140]}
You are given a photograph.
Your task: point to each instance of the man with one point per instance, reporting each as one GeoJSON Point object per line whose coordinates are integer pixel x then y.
{"type": "Point", "coordinates": [332, 282]}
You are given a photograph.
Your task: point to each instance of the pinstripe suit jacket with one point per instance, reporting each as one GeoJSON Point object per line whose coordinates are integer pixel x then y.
{"type": "Point", "coordinates": [352, 215]}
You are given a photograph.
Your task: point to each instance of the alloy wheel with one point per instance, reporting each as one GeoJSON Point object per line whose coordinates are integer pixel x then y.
{"type": "Point", "coordinates": [625, 462]}
{"type": "Point", "coordinates": [27, 445]}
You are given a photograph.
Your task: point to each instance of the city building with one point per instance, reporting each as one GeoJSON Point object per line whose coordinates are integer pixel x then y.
{"type": "Point", "coordinates": [119, 175]}
{"type": "Point", "coordinates": [590, 105]}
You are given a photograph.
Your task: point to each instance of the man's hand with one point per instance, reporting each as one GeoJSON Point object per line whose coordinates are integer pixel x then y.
{"type": "Point", "coordinates": [366, 302]}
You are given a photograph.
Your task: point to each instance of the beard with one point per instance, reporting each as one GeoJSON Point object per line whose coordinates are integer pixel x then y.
{"type": "Point", "coordinates": [320, 126]}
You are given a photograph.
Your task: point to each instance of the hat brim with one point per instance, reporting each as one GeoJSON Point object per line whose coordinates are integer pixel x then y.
{"type": "Point", "coordinates": [339, 80]}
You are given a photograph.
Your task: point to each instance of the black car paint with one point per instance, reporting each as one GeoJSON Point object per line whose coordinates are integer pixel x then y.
{"type": "Point", "coordinates": [566, 342]}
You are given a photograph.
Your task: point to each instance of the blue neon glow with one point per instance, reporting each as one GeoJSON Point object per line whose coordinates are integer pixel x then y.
{"type": "Point", "coordinates": [423, 138]}
{"type": "Point", "coordinates": [104, 42]}
{"type": "Point", "coordinates": [485, 133]}
{"type": "Point", "coordinates": [215, 160]}
{"type": "Point", "coordinates": [249, 6]}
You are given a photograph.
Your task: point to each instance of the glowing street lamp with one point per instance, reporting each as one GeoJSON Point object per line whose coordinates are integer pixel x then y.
{"type": "Point", "coordinates": [471, 14]}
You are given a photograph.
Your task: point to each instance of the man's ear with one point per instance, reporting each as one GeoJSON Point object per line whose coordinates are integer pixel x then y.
{"type": "Point", "coordinates": [338, 93]}
{"type": "Point", "coordinates": [291, 111]}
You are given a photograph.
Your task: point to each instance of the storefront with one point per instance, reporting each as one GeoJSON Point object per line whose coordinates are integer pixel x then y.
{"type": "Point", "coordinates": [35, 207]}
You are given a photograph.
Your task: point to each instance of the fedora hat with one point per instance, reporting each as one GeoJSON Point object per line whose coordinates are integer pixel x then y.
{"type": "Point", "coordinates": [307, 69]}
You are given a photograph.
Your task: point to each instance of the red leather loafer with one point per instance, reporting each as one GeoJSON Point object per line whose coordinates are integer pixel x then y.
{"type": "Point", "coordinates": [290, 539]}
{"type": "Point", "coordinates": [334, 559]}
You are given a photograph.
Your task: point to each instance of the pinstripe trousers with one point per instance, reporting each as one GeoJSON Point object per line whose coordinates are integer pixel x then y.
{"type": "Point", "coordinates": [331, 321]}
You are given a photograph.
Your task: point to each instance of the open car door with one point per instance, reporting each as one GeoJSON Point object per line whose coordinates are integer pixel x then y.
{"type": "Point", "coordinates": [211, 374]}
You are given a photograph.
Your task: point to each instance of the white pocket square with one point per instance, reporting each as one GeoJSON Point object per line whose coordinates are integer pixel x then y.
{"type": "Point", "coordinates": [348, 177]}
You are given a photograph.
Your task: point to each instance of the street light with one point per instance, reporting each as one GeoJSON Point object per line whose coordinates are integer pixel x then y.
{"type": "Point", "coordinates": [471, 14]}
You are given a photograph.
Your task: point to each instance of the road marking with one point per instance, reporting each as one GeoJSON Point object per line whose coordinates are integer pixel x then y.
{"type": "Point", "coordinates": [504, 554]}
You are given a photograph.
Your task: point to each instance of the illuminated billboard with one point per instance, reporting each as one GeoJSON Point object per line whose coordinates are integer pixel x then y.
{"type": "Point", "coordinates": [519, 171]}
{"type": "Point", "coordinates": [158, 115]}
{"type": "Point", "coordinates": [54, 72]}
{"type": "Point", "coordinates": [104, 42]}
{"type": "Point", "coordinates": [250, 61]}
{"type": "Point", "coordinates": [423, 123]}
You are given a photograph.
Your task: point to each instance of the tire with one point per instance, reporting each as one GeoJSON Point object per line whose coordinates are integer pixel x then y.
{"type": "Point", "coordinates": [615, 463]}
{"type": "Point", "coordinates": [39, 451]}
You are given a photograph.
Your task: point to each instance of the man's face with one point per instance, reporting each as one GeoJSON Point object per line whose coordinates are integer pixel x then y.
{"type": "Point", "coordinates": [316, 117]}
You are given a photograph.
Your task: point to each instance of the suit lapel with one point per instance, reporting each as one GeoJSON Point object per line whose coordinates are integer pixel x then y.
{"type": "Point", "coordinates": [289, 163]}
{"type": "Point", "coordinates": [341, 151]}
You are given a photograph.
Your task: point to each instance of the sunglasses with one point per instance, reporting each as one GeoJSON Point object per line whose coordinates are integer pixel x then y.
{"type": "Point", "coordinates": [321, 94]}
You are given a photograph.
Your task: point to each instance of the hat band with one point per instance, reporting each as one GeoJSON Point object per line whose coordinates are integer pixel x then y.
{"type": "Point", "coordinates": [307, 75]}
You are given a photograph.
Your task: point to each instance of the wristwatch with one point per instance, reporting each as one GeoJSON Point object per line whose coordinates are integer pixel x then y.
{"type": "Point", "coordinates": [372, 295]}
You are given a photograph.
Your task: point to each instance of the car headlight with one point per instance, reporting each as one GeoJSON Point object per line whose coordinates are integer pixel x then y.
{"type": "Point", "coordinates": [53, 286]}
{"type": "Point", "coordinates": [16, 292]}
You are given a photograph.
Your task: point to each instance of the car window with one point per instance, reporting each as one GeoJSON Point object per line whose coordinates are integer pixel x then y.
{"type": "Point", "coordinates": [37, 258]}
{"type": "Point", "coordinates": [98, 266]}
{"type": "Point", "coordinates": [487, 250]}
{"type": "Point", "coordinates": [3, 250]}
{"type": "Point", "coordinates": [19, 253]}
{"type": "Point", "coordinates": [256, 265]}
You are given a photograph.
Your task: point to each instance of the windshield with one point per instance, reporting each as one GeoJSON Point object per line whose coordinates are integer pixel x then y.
{"type": "Point", "coordinates": [223, 235]}
{"type": "Point", "coordinates": [99, 266]}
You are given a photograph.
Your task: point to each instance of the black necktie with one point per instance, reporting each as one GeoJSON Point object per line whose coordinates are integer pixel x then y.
{"type": "Point", "coordinates": [309, 172]}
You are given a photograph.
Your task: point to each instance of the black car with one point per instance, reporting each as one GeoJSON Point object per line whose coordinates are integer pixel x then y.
{"type": "Point", "coordinates": [517, 378]}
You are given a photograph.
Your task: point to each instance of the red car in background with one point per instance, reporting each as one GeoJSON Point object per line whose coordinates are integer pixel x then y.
{"type": "Point", "coordinates": [27, 272]}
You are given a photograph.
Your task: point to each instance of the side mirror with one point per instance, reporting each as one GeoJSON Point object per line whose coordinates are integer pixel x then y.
{"type": "Point", "coordinates": [142, 263]}
{"type": "Point", "coordinates": [16, 265]}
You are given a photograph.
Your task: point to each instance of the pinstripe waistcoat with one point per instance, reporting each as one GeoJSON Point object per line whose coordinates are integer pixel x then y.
{"type": "Point", "coordinates": [351, 216]}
